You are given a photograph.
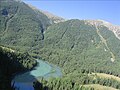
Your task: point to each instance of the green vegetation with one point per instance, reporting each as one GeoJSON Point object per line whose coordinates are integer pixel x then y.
{"type": "Point", "coordinates": [75, 81]}
{"type": "Point", "coordinates": [99, 87]}
{"type": "Point", "coordinates": [22, 27]}
{"type": "Point", "coordinates": [78, 48]}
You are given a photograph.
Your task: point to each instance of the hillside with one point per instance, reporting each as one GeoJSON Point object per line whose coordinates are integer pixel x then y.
{"type": "Point", "coordinates": [79, 47]}
{"type": "Point", "coordinates": [21, 27]}
{"type": "Point", "coordinates": [75, 44]}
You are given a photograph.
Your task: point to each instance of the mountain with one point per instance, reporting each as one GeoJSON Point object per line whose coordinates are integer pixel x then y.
{"type": "Point", "coordinates": [87, 51]}
{"type": "Point", "coordinates": [53, 18]}
{"type": "Point", "coordinates": [114, 28]}
{"type": "Point", "coordinates": [21, 26]}
{"type": "Point", "coordinates": [81, 48]}
{"type": "Point", "coordinates": [77, 44]}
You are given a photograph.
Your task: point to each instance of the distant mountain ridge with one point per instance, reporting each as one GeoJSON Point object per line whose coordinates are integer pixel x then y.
{"type": "Point", "coordinates": [53, 18]}
{"type": "Point", "coordinates": [56, 19]}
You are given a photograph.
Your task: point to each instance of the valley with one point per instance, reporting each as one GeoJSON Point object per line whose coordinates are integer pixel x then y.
{"type": "Point", "coordinates": [42, 51]}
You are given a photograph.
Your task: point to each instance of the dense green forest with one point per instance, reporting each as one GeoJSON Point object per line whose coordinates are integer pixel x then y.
{"type": "Point", "coordinates": [80, 49]}
{"type": "Point", "coordinates": [21, 27]}
{"type": "Point", "coordinates": [75, 81]}
{"type": "Point", "coordinates": [76, 46]}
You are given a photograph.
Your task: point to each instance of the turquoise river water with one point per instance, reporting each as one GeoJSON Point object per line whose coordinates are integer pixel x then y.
{"type": "Point", "coordinates": [25, 80]}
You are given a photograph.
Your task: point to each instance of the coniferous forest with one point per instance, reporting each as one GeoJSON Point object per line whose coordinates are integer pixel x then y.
{"type": "Point", "coordinates": [88, 54]}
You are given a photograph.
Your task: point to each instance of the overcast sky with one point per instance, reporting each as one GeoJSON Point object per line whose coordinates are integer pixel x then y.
{"type": "Point", "coordinates": [108, 10]}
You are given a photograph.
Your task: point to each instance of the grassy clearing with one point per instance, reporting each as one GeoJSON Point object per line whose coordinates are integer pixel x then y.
{"type": "Point", "coordinates": [103, 75]}
{"type": "Point", "coordinates": [100, 87]}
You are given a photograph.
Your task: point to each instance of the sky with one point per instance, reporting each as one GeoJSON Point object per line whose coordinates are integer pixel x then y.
{"type": "Point", "coordinates": [108, 10]}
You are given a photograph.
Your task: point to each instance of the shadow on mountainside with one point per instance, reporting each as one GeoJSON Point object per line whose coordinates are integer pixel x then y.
{"type": "Point", "coordinates": [9, 67]}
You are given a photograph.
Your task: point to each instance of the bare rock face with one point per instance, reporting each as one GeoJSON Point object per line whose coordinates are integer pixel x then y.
{"type": "Point", "coordinates": [111, 27]}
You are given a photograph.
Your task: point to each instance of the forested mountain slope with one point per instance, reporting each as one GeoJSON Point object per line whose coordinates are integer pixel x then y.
{"type": "Point", "coordinates": [79, 47]}
{"type": "Point", "coordinates": [75, 45]}
{"type": "Point", "coordinates": [21, 26]}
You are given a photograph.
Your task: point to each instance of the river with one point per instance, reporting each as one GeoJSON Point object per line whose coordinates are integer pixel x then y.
{"type": "Point", "coordinates": [43, 69]}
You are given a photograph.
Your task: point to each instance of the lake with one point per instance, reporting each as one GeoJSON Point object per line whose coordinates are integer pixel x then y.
{"type": "Point", "coordinates": [43, 69]}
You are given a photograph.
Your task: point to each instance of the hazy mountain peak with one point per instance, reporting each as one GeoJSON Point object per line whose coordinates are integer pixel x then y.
{"type": "Point", "coordinates": [54, 18]}
{"type": "Point", "coordinates": [11, 0]}
{"type": "Point", "coordinates": [98, 22]}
